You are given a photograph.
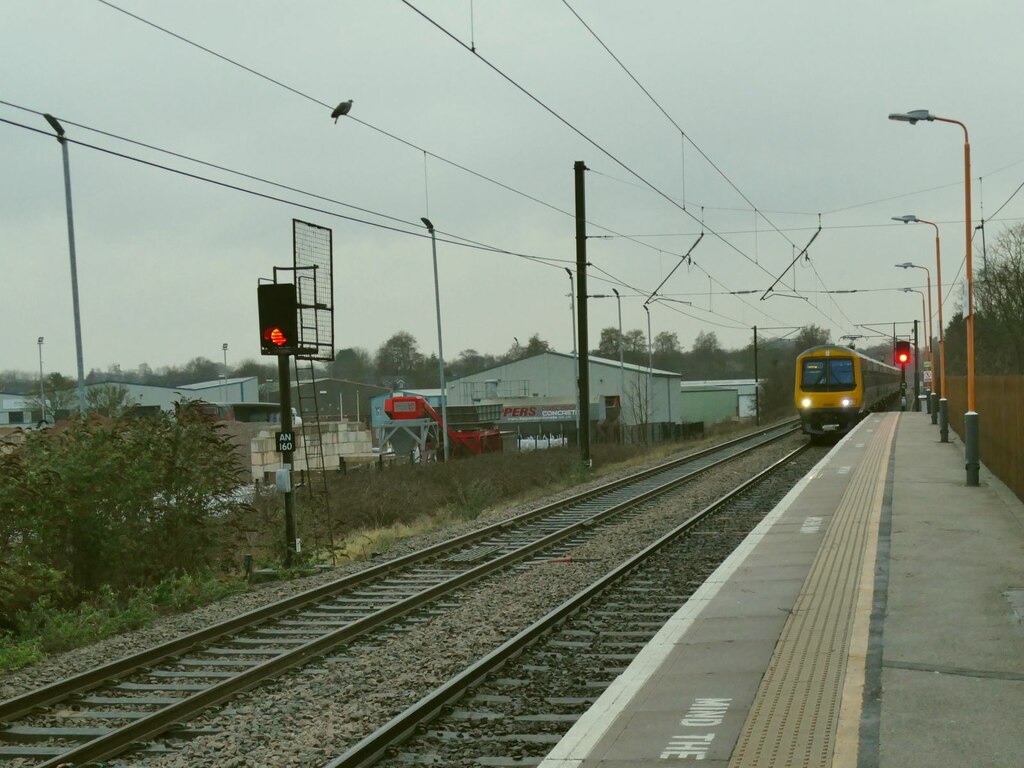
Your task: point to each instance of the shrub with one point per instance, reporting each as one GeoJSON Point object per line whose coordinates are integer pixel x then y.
{"type": "Point", "coordinates": [119, 503]}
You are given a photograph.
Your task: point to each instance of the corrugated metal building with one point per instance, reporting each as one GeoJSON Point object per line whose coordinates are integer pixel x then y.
{"type": "Point", "coordinates": [540, 391]}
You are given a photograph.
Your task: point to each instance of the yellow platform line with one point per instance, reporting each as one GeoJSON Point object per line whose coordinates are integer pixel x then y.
{"type": "Point", "coordinates": [817, 670]}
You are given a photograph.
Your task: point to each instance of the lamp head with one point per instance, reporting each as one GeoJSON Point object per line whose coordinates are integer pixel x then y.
{"type": "Point", "coordinates": [908, 219]}
{"type": "Point", "coordinates": [55, 124]}
{"type": "Point", "coordinates": [427, 224]}
{"type": "Point", "coordinates": [912, 116]}
{"type": "Point", "coordinates": [904, 265]}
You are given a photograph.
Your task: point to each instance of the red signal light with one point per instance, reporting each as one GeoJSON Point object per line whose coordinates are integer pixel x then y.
{"type": "Point", "coordinates": [279, 330]}
{"type": "Point", "coordinates": [902, 352]}
{"type": "Point", "coordinates": [275, 336]}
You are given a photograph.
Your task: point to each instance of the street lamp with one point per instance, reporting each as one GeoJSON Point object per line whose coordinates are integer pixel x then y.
{"type": "Point", "coordinates": [42, 393]}
{"type": "Point", "coordinates": [618, 301]}
{"type": "Point", "coordinates": [971, 424]}
{"type": "Point", "coordinates": [224, 349]}
{"type": "Point", "coordinates": [440, 347]}
{"type": "Point", "coordinates": [71, 250]}
{"type": "Point", "coordinates": [622, 364]}
{"type": "Point", "coordinates": [943, 409]}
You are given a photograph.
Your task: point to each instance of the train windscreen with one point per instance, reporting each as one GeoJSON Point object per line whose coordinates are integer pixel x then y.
{"type": "Point", "coordinates": [827, 374]}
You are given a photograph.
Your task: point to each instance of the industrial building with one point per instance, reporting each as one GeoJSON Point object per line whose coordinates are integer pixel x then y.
{"type": "Point", "coordinates": [24, 410]}
{"type": "Point", "coordinates": [538, 396]}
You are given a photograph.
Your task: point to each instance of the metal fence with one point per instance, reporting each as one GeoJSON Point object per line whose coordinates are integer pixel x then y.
{"type": "Point", "coordinates": [1000, 404]}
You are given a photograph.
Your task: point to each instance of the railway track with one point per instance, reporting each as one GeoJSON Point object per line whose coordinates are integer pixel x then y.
{"type": "Point", "coordinates": [102, 712]}
{"type": "Point", "coordinates": [512, 706]}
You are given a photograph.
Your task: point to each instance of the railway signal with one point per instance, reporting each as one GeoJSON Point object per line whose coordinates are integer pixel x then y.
{"type": "Point", "coordinates": [279, 332]}
{"type": "Point", "coordinates": [902, 353]}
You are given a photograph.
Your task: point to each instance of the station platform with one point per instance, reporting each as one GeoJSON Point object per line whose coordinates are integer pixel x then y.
{"type": "Point", "coordinates": [875, 618]}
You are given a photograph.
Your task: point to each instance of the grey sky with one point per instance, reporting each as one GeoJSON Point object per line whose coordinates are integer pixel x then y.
{"type": "Point", "coordinates": [788, 99]}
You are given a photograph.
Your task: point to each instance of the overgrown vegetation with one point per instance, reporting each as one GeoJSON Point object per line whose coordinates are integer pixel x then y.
{"type": "Point", "coordinates": [45, 628]}
{"type": "Point", "coordinates": [104, 513]}
{"type": "Point", "coordinates": [107, 524]}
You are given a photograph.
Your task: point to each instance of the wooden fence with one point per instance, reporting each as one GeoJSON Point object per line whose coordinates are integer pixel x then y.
{"type": "Point", "coordinates": [999, 401]}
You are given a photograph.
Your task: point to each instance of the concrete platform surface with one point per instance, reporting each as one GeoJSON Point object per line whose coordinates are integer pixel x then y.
{"type": "Point", "coordinates": [875, 619]}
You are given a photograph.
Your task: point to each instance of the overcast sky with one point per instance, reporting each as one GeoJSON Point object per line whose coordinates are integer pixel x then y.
{"type": "Point", "coordinates": [783, 107]}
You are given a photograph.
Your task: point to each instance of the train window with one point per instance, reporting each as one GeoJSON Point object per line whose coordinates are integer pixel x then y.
{"type": "Point", "coordinates": [814, 378]}
{"type": "Point", "coordinates": [827, 375]}
{"type": "Point", "coordinates": [840, 374]}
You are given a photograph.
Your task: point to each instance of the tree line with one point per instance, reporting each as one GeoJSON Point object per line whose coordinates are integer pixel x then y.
{"type": "Point", "coordinates": [398, 362]}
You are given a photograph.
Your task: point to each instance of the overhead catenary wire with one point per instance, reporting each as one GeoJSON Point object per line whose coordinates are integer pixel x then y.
{"type": "Point", "coordinates": [579, 132]}
{"type": "Point", "coordinates": [460, 241]}
{"type": "Point", "coordinates": [674, 123]}
{"type": "Point", "coordinates": [388, 134]}
{"type": "Point", "coordinates": [590, 141]}
{"type": "Point", "coordinates": [298, 92]}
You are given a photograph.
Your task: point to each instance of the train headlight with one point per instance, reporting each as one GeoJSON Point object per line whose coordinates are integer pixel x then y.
{"type": "Point", "coordinates": [806, 402]}
{"type": "Point", "coordinates": [847, 402]}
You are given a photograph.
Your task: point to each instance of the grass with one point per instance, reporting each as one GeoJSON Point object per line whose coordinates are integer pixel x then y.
{"type": "Point", "coordinates": [46, 628]}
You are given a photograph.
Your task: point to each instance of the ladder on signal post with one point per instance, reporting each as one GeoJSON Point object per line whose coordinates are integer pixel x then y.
{"type": "Point", "coordinates": [312, 440]}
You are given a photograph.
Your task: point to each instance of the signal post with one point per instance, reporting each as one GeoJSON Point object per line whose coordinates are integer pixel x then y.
{"type": "Point", "coordinates": [279, 337]}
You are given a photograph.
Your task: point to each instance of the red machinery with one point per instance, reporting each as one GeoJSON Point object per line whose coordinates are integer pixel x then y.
{"type": "Point", "coordinates": [464, 442]}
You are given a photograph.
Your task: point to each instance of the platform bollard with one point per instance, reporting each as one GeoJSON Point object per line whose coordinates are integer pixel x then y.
{"type": "Point", "coordinates": [934, 409]}
{"type": "Point", "coordinates": [943, 420]}
{"type": "Point", "coordinates": [247, 565]}
{"type": "Point", "coordinates": [971, 452]}
{"type": "Point", "coordinates": [928, 399]}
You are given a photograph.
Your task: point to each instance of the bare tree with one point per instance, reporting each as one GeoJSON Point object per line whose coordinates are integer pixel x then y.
{"type": "Point", "coordinates": [639, 402]}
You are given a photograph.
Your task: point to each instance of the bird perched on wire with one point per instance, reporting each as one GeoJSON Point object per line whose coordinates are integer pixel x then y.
{"type": "Point", "coordinates": [341, 109]}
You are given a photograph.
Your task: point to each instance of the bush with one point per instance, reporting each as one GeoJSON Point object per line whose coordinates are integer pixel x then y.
{"type": "Point", "coordinates": [120, 503]}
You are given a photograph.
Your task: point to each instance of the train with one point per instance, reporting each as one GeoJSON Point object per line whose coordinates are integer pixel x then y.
{"type": "Point", "coordinates": [836, 387]}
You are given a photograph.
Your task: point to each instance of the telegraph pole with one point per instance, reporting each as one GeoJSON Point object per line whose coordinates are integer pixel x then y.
{"type": "Point", "coordinates": [581, 289]}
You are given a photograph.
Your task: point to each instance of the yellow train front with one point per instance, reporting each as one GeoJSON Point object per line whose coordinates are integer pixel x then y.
{"type": "Point", "coordinates": [836, 387]}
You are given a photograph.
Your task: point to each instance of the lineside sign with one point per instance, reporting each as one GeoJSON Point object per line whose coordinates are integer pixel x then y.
{"type": "Point", "coordinates": [285, 441]}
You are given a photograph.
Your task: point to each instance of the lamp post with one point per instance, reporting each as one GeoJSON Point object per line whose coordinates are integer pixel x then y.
{"type": "Point", "coordinates": [575, 357]}
{"type": "Point", "coordinates": [622, 365]}
{"type": "Point", "coordinates": [42, 392]}
{"type": "Point", "coordinates": [931, 337]}
{"type": "Point", "coordinates": [74, 267]}
{"type": "Point", "coordinates": [618, 300]}
{"type": "Point", "coordinates": [971, 425]}
{"type": "Point", "coordinates": [224, 349]}
{"type": "Point", "coordinates": [440, 347]}
{"type": "Point", "coordinates": [943, 404]}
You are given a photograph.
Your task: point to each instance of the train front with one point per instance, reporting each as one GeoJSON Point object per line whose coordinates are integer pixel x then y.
{"type": "Point", "coordinates": [828, 391]}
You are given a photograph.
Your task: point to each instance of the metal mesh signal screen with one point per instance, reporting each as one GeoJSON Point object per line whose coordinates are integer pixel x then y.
{"type": "Point", "coordinates": [314, 289]}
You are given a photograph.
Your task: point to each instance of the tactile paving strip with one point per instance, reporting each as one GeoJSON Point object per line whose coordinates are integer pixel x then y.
{"type": "Point", "coordinates": [794, 717]}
